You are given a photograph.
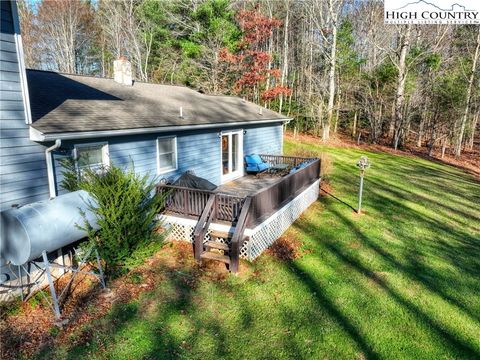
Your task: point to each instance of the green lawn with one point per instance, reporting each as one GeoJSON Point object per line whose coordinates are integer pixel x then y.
{"type": "Point", "coordinates": [401, 281]}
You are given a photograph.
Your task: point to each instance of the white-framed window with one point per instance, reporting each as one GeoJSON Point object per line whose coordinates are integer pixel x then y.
{"type": "Point", "coordinates": [92, 156]}
{"type": "Point", "coordinates": [166, 154]}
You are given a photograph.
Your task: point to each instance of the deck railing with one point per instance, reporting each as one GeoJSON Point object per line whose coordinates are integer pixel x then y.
{"type": "Point", "coordinates": [202, 226]}
{"type": "Point", "coordinates": [238, 237]}
{"type": "Point", "coordinates": [182, 200]}
{"type": "Point", "coordinates": [266, 201]}
{"type": "Point", "coordinates": [191, 202]}
{"type": "Point", "coordinates": [292, 161]}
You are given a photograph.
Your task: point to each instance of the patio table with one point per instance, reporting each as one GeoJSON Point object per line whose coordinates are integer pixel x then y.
{"type": "Point", "coordinates": [278, 168]}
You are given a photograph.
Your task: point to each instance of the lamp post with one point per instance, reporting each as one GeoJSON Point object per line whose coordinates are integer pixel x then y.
{"type": "Point", "coordinates": [362, 164]}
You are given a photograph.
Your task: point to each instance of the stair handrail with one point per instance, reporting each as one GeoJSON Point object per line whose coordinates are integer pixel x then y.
{"type": "Point", "coordinates": [203, 223]}
{"type": "Point", "coordinates": [238, 238]}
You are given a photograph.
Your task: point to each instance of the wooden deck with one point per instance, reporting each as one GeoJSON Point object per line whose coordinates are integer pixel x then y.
{"type": "Point", "coordinates": [242, 203]}
{"type": "Point", "coordinates": [269, 192]}
{"type": "Point", "coordinates": [248, 185]}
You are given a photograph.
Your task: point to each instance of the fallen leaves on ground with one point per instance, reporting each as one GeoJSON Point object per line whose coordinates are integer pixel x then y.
{"type": "Point", "coordinates": [33, 327]}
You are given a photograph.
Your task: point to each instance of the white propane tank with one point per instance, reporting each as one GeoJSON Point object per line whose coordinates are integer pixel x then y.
{"type": "Point", "coordinates": [48, 225]}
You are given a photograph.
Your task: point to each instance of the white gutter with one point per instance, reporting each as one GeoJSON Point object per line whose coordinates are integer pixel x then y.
{"type": "Point", "coordinates": [37, 135]}
{"type": "Point", "coordinates": [51, 175]}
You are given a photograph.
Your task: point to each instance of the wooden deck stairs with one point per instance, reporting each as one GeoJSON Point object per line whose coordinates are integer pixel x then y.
{"type": "Point", "coordinates": [215, 249]}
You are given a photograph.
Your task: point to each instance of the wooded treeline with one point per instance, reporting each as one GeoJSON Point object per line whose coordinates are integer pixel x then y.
{"type": "Point", "coordinates": [332, 65]}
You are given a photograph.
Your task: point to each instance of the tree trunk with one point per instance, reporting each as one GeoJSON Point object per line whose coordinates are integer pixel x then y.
{"type": "Point", "coordinates": [474, 128]}
{"type": "Point", "coordinates": [285, 55]}
{"type": "Point", "coordinates": [331, 74]}
{"type": "Point", "coordinates": [433, 138]}
{"type": "Point", "coordinates": [391, 126]}
{"type": "Point", "coordinates": [431, 144]}
{"type": "Point", "coordinates": [291, 94]}
{"type": "Point", "coordinates": [354, 130]}
{"type": "Point", "coordinates": [458, 145]}
{"type": "Point", "coordinates": [444, 147]}
{"type": "Point", "coordinates": [270, 51]}
{"type": "Point", "coordinates": [337, 112]}
{"type": "Point", "coordinates": [320, 117]}
{"type": "Point", "coordinates": [402, 76]}
{"type": "Point", "coordinates": [421, 126]}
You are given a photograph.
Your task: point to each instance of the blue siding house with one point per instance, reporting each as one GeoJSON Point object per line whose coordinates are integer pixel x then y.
{"type": "Point", "coordinates": [159, 129]}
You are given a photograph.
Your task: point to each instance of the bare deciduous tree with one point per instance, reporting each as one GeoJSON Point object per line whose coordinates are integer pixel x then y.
{"type": "Point", "coordinates": [65, 31]}
{"type": "Point", "coordinates": [468, 96]}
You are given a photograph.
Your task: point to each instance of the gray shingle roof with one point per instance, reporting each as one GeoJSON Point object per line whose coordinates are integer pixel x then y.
{"type": "Point", "coordinates": [70, 103]}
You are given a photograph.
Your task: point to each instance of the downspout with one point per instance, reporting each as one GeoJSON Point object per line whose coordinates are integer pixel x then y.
{"type": "Point", "coordinates": [51, 175]}
{"type": "Point", "coordinates": [284, 129]}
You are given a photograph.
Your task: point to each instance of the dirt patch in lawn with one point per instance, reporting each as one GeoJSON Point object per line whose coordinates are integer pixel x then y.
{"type": "Point", "coordinates": [326, 189]}
{"type": "Point", "coordinates": [354, 245]}
{"type": "Point", "coordinates": [286, 248]}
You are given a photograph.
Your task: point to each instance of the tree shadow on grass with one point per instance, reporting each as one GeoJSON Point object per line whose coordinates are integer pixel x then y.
{"type": "Point", "coordinates": [108, 332]}
{"type": "Point", "coordinates": [326, 303]}
{"type": "Point", "coordinates": [416, 197]}
{"type": "Point", "coordinates": [454, 341]}
{"type": "Point", "coordinates": [338, 199]}
{"type": "Point", "coordinates": [463, 252]}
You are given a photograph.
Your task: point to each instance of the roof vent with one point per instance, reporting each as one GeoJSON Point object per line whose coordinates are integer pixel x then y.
{"type": "Point", "coordinates": [260, 110]}
{"type": "Point", "coordinates": [122, 71]}
{"type": "Point", "coordinates": [181, 113]}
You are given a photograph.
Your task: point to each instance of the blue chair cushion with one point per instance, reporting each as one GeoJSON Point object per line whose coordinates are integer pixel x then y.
{"type": "Point", "coordinates": [257, 167]}
{"type": "Point", "coordinates": [253, 159]}
{"type": "Point", "coordinates": [255, 163]}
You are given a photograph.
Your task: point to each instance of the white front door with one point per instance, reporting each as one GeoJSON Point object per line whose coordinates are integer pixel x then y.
{"type": "Point", "coordinates": [231, 147]}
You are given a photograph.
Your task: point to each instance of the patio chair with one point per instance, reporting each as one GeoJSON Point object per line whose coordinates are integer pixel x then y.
{"type": "Point", "coordinates": [255, 164]}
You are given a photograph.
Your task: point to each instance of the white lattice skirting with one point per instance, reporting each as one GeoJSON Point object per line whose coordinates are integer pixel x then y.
{"type": "Point", "coordinates": [260, 237]}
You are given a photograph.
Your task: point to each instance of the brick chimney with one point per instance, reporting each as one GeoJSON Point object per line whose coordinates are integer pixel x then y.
{"type": "Point", "coordinates": [122, 71]}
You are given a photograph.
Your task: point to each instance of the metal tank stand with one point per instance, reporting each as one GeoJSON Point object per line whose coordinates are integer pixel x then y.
{"type": "Point", "coordinates": [76, 270]}
{"type": "Point", "coordinates": [36, 272]}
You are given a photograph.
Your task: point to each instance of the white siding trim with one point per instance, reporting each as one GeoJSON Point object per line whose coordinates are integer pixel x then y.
{"type": "Point", "coordinates": [21, 63]}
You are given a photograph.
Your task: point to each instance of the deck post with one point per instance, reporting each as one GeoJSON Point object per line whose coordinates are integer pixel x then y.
{"type": "Point", "coordinates": [234, 260]}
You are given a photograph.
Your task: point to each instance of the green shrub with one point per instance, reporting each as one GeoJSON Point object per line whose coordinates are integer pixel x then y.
{"type": "Point", "coordinates": [70, 181]}
{"type": "Point", "coordinates": [125, 211]}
